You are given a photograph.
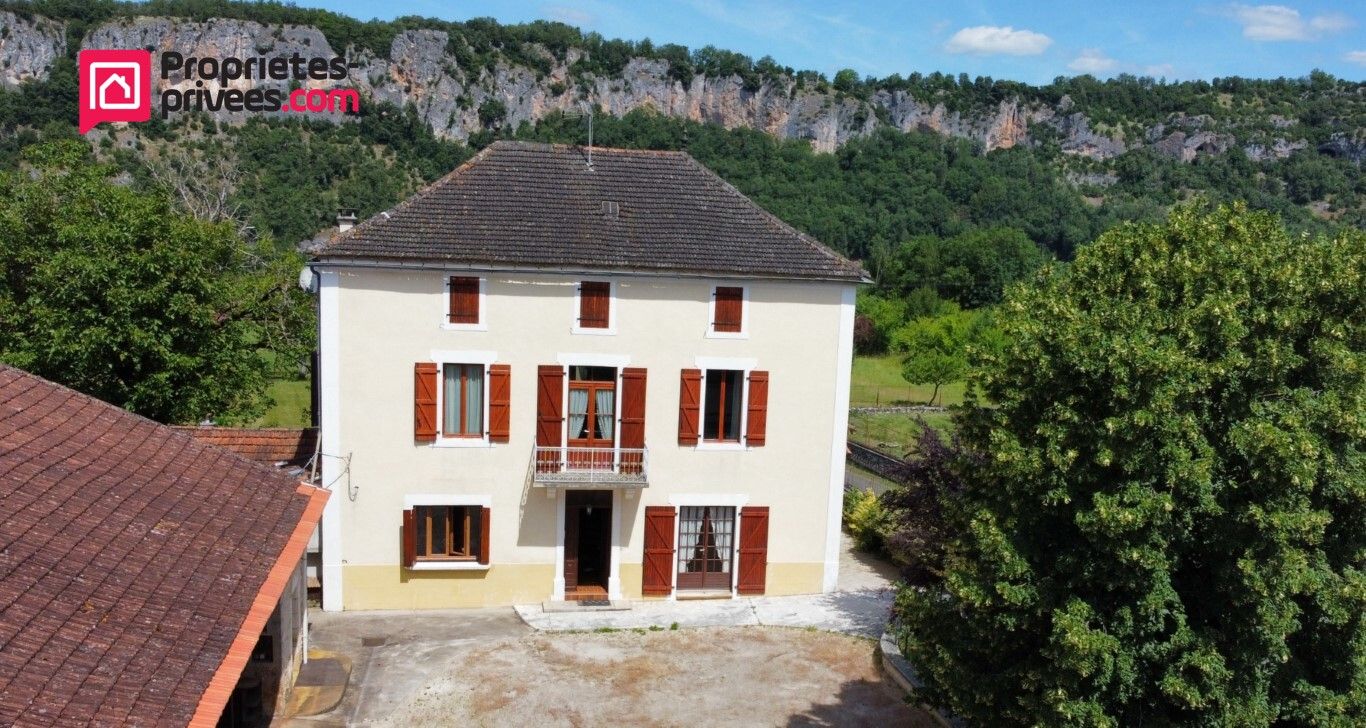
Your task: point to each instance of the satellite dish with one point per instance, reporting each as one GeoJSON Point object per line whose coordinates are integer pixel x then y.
{"type": "Point", "coordinates": [308, 280]}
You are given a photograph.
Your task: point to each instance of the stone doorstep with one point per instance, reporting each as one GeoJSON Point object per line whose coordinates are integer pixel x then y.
{"type": "Point", "coordinates": [596, 605]}
{"type": "Point", "coordinates": [320, 685]}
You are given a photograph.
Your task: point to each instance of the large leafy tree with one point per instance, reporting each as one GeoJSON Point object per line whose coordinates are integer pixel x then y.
{"type": "Point", "coordinates": [1163, 512]}
{"type": "Point", "coordinates": [113, 292]}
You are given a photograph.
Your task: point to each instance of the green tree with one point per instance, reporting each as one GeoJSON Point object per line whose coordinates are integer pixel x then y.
{"type": "Point", "coordinates": [114, 293]}
{"type": "Point", "coordinates": [937, 347]}
{"type": "Point", "coordinates": [1163, 521]}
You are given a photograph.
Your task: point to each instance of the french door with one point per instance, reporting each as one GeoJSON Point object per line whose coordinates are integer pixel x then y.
{"type": "Point", "coordinates": [706, 539]}
{"type": "Point", "coordinates": [592, 416]}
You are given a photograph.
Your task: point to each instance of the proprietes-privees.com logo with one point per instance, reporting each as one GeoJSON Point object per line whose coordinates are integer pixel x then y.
{"type": "Point", "coordinates": [116, 85]}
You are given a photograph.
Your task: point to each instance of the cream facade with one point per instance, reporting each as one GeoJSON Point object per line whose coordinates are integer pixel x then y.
{"type": "Point", "coordinates": [378, 320]}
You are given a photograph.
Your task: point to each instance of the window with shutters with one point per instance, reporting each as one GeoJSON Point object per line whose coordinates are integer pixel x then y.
{"type": "Point", "coordinates": [462, 400]}
{"type": "Point", "coordinates": [595, 308]}
{"type": "Point", "coordinates": [464, 304]}
{"type": "Point", "coordinates": [723, 408]}
{"type": "Point", "coordinates": [728, 314]}
{"type": "Point", "coordinates": [447, 533]}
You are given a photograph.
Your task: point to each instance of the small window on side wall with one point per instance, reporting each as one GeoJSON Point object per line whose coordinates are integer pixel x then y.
{"type": "Point", "coordinates": [728, 309]}
{"type": "Point", "coordinates": [463, 306]}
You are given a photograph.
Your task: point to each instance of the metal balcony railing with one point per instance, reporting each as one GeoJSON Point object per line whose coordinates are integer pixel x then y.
{"type": "Point", "coordinates": [590, 466]}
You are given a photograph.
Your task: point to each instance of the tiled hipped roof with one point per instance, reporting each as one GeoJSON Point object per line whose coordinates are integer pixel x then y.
{"type": "Point", "coordinates": [270, 445]}
{"type": "Point", "coordinates": [526, 204]}
{"type": "Point", "coordinates": [137, 564]}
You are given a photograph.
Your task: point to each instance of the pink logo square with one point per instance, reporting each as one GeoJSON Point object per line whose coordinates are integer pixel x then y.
{"type": "Point", "coordinates": [115, 86]}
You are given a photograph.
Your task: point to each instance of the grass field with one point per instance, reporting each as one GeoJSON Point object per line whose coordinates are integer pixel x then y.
{"type": "Point", "coordinates": [877, 381]}
{"type": "Point", "coordinates": [894, 432]}
{"type": "Point", "coordinates": [291, 404]}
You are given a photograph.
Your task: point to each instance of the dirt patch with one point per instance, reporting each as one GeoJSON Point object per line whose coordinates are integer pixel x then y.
{"type": "Point", "coordinates": [725, 676]}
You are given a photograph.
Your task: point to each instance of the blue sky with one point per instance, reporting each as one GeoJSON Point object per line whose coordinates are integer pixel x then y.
{"type": "Point", "coordinates": [1025, 41]}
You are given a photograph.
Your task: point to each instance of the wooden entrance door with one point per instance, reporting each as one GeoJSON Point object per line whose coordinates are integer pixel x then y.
{"type": "Point", "coordinates": [706, 540]}
{"type": "Point", "coordinates": [587, 539]}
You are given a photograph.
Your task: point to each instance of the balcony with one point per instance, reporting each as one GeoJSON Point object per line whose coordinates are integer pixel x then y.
{"type": "Point", "coordinates": [590, 467]}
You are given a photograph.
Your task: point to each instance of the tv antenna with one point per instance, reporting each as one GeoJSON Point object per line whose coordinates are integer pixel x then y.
{"type": "Point", "coordinates": [580, 114]}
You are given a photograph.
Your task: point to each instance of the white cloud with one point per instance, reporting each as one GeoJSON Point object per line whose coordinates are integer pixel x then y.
{"type": "Point", "coordinates": [1278, 22]}
{"type": "Point", "coordinates": [1355, 57]}
{"type": "Point", "coordinates": [1160, 70]}
{"type": "Point", "coordinates": [990, 39]}
{"type": "Point", "coordinates": [1093, 61]}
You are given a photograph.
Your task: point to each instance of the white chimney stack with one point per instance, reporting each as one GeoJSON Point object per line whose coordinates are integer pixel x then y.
{"type": "Point", "coordinates": [346, 219]}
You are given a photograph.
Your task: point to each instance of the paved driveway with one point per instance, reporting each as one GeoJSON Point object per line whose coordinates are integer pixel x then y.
{"type": "Point", "coordinates": [488, 667]}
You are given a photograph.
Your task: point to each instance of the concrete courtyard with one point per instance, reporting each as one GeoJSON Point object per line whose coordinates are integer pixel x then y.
{"type": "Point", "coordinates": [790, 661]}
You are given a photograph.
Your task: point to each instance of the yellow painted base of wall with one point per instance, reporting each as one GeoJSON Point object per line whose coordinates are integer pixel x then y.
{"type": "Point", "coordinates": [800, 578]}
{"type": "Point", "coordinates": [394, 587]}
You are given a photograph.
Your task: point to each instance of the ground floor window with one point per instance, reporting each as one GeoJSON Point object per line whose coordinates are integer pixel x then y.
{"type": "Point", "coordinates": [447, 533]}
{"type": "Point", "coordinates": [706, 539]}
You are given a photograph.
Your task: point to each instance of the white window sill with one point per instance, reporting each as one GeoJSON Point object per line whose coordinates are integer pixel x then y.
{"type": "Point", "coordinates": [721, 446]}
{"type": "Point", "coordinates": [727, 334]}
{"type": "Point", "coordinates": [458, 442]}
{"type": "Point", "coordinates": [593, 332]}
{"type": "Point", "coordinates": [464, 327]}
{"type": "Point", "coordinates": [448, 566]}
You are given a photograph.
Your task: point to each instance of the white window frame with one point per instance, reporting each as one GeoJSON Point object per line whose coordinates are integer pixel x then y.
{"type": "Point", "coordinates": [611, 329]}
{"type": "Point", "coordinates": [442, 358]}
{"type": "Point", "coordinates": [445, 319]}
{"type": "Point", "coordinates": [743, 333]}
{"type": "Point", "coordinates": [415, 500]}
{"type": "Point", "coordinates": [744, 365]}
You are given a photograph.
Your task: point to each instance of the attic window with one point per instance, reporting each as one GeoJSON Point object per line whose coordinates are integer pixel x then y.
{"type": "Point", "coordinates": [610, 209]}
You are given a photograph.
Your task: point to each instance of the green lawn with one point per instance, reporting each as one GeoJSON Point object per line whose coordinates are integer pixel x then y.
{"type": "Point", "coordinates": [877, 381]}
{"type": "Point", "coordinates": [894, 432]}
{"type": "Point", "coordinates": [291, 404]}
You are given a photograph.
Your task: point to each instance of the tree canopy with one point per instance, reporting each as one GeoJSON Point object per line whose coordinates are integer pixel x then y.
{"type": "Point", "coordinates": [112, 292]}
{"type": "Point", "coordinates": [1162, 517]}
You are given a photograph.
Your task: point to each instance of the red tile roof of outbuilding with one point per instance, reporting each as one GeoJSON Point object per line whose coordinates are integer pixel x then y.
{"type": "Point", "coordinates": [271, 445]}
{"type": "Point", "coordinates": [137, 564]}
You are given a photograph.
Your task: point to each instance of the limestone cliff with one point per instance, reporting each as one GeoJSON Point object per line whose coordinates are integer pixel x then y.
{"type": "Point", "coordinates": [420, 71]}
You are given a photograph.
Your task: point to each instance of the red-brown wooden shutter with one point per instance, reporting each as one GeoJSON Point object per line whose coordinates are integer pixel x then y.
{"type": "Point", "coordinates": [753, 550]}
{"type": "Point", "coordinates": [756, 424]}
{"type": "Point", "coordinates": [409, 539]}
{"type": "Point", "coordinates": [689, 406]}
{"type": "Point", "coordinates": [549, 406]}
{"type": "Point", "coordinates": [484, 520]}
{"type": "Point", "coordinates": [729, 308]}
{"type": "Point", "coordinates": [657, 570]}
{"type": "Point", "coordinates": [632, 418]}
{"type": "Point", "coordinates": [464, 308]}
{"type": "Point", "coordinates": [500, 399]}
{"type": "Point", "coordinates": [424, 401]}
{"type": "Point", "coordinates": [595, 299]}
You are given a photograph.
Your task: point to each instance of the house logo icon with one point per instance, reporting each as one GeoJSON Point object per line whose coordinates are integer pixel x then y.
{"type": "Point", "coordinates": [115, 86]}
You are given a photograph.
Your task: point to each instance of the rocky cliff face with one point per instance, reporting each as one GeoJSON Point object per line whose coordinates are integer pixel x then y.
{"type": "Point", "coordinates": [419, 71]}
{"type": "Point", "coordinates": [28, 47]}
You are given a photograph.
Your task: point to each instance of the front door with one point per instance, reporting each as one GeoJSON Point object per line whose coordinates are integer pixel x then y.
{"type": "Point", "coordinates": [592, 417]}
{"type": "Point", "coordinates": [706, 537]}
{"type": "Point", "coordinates": [587, 542]}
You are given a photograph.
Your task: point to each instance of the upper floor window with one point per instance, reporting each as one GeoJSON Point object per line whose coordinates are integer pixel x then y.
{"type": "Point", "coordinates": [721, 407]}
{"type": "Point", "coordinates": [728, 310]}
{"type": "Point", "coordinates": [595, 307]}
{"type": "Point", "coordinates": [464, 302]}
{"type": "Point", "coordinates": [463, 400]}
